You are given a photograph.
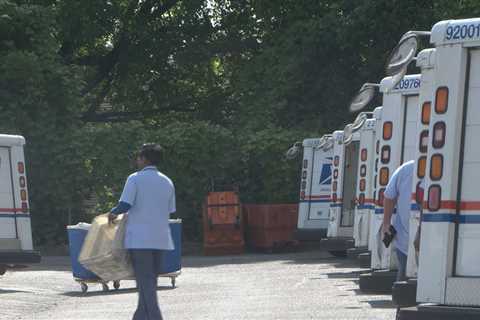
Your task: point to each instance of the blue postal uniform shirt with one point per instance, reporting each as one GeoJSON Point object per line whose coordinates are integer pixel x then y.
{"type": "Point", "coordinates": [400, 187]}
{"type": "Point", "coordinates": [151, 195]}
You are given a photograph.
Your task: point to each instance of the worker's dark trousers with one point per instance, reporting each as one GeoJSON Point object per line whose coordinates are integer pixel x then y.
{"type": "Point", "coordinates": [146, 264]}
{"type": "Point", "coordinates": [402, 265]}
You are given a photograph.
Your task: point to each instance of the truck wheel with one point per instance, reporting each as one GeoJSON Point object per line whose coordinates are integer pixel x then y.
{"type": "Point", "coordinates": [404, 294]}
{"type": "Point", "coordinates": [338, 254]}
{"type": "Point", "coordinates": [3, 269]}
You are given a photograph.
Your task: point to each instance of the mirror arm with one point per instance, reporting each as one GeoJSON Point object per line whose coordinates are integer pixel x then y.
{"type": "Point", "coordinates": [422, 33]}
{"type": "Point", "coordinates": [371, 84]}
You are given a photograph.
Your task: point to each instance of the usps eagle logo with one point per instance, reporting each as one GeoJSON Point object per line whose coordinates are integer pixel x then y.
{"type": "Point", "coordinates": [326, 174]}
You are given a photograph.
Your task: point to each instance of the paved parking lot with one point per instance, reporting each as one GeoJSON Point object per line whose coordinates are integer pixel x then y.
{"type": "Point", "coordinates": [306, 285]}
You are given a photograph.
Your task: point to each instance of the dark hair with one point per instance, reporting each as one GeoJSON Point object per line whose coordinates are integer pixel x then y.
{"type": "Point", "coordinates": [152, 152]}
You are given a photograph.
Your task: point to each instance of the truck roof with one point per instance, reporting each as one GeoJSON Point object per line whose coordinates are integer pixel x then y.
{"type": "Point", "coordinates": [386, 84]}
{"type": "Point", "coordinates": [456, 31]}
{"type": "Point", "coordinates": [311, 142]}
{"type": "Point", "coordinates": [426, 59]}
{"type": "Point", "coordinates": [11, 140]}
{"type": "Point", "coordinates": [377, 113]}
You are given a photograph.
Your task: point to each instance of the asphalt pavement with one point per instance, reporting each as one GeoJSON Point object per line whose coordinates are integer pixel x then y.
{"type": "Point", "coordinates": [305, 285]}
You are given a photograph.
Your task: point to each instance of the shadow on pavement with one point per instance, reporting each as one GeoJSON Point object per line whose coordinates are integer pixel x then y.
{"type": "Point", "coordinates": [96, 293]}
{"type": "Point", "coordinates": [345, 275]}
{"type": "Point", "coordinates": [381, 304]}
{"type": "Point", "coordinates": [55, 263]}
{"type": "Point", "coordinates": [303, 256]}
{"type": "Point", "coordinates": [358, 292]}
{"type": "Point", "coordinates": [11, 291]}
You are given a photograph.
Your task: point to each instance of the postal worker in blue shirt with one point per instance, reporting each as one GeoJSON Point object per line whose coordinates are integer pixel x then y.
{"type": "Point", "coordinates": [149, 199]}
{"type": "Point", "coordinates": [398, 193]}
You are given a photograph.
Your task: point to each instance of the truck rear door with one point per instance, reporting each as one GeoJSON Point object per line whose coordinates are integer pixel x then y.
{"type": "Point", "coordinates": [8, 227]}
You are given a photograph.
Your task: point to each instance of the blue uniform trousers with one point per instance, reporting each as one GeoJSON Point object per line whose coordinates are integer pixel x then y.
{"type": "Point", "coordinates": [146, 264]}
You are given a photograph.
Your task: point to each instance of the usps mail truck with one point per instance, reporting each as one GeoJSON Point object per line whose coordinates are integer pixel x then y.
{"type": "Point", "coordinates": [16, 246]}
{"type": "Point", "coordinates": [449, 262]}
{"type": "Point", "coordinates": [315, 188]}
{"type": "Point", "coordinates": [397, 146]}
{"type": "Point", "coordinates": [425, 61]}
{"type": "Point", "coordinates": [345, 164]}
{"type": "Point", "coordinates": [404, 292]}
{"type": "Point", "coordinates": [365, 258]}
{"type": "Point", "coordinates": [365, 187]}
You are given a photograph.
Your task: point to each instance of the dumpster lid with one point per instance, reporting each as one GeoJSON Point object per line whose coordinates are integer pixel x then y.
{"type": "Point", "coordinates": [80, 225]}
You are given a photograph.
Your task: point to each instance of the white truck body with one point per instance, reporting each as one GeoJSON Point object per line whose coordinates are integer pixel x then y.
{"type": "Point", "coordinates": [16, 244]}
{"type": "Point", "coordinates": [315, 188]}
{"type": "Point", "coordinates": [344, 182]}
{"type": "Point", "coordinates": [399, 120]}
{"type": "Point", "coordinates": [425, 61]}
{"type": "Point", "coordinates": [373, 221]}
{"type": "Point", "coordinates": [449, 263]}
{"type": "Point", "coordinates": [365, 188]}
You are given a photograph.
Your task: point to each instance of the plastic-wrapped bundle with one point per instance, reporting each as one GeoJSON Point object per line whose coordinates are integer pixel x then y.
{"type": "Point", "coordinates": [103, 251]}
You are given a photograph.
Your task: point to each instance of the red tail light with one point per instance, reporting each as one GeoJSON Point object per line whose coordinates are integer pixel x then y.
{"type": "Point", "coordinates": [381, 197]}
{"type": "Point", "coordinates": [424, 141]}
{"type": "Point", "coordinates": [361, 199]}
{"type": "Point", "coordinates": [22, 182]}
{"type": "Point", "coordinates": [439, 132]}
{"type": "Point", "coordinates": [363, 170]}
{"type": "Point", "coordinates": [419, 193]}
{"type": "Point", "coordinates": [385, 154]}
{"type": "Point", "coordinates": [364, 155]}
{"type": "Point", "coordinates": [21, 168]}
{"type": "Point", "coordinates": [362, 185]}
{"type": "Point", "coordinates": [434, 197]}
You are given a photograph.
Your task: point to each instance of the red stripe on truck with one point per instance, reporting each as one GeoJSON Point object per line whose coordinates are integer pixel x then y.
{"type": "Point", "coordinates": [10, 210]}
{"type": "Point", "coordinates": [318, 197]}
{"type": "Point", "coordinates": [452, 205]}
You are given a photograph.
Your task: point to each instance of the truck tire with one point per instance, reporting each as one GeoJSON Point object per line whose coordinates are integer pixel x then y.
{"type": "Point", "coordinates": [404, 293]}
{"type": "Point", "coordinates": [338, 254]}
{"type": "Point", "coordinates": [377, 281]}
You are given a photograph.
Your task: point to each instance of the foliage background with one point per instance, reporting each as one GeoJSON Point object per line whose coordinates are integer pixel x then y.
{"type": "Point", "coordinates": [224, 86]}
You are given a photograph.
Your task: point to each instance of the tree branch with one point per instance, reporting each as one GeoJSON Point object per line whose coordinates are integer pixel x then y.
{"type": "Point", "coordinates": [107, 63]}
{"type": "Point", "coordinates": [125, 116]}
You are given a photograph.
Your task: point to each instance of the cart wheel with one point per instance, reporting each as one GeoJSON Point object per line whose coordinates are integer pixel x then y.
{"type": "Point", "coordinates": [84, 287]}
{"type": "Point", "coordinates": [105, 287]}
{"type": "Point", "coordinates": [173, 280]}
{"type": "Point", "coordinates": [3, 270]}
{"type": "Point", "coordinates": [116, 285]}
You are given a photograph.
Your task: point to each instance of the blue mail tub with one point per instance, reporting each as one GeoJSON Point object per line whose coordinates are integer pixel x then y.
{"type": "Point", "coordinates": [76, 236]}
{"type": "Point", "coordinates": [172, 260]}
